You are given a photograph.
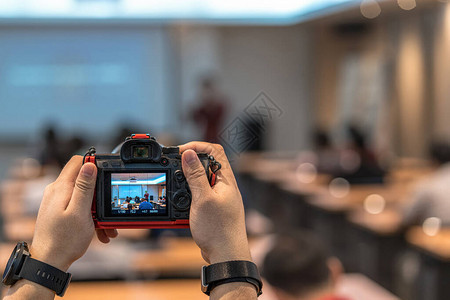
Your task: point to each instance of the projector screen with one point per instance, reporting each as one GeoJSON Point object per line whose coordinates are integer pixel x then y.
{"type": "Point", "coordinates": [83, 80]}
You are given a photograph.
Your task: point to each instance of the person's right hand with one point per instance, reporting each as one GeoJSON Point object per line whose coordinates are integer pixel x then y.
{"type": "Point", "coordinates": [217, 219]}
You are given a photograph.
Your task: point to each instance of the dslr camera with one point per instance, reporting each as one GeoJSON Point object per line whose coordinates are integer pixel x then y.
{"type": "Point", "coordinates": [143, 185]}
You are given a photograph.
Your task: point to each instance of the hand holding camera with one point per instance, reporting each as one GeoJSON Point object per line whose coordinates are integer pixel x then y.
{"type": "Point", "coordinates": [68, 216]}
{"type": "Point", "coordinates": [143, 186]}
{"type": "Point", "coordinates": [64, 227]}
{"type": "Point", "coordinates": [217, 218]}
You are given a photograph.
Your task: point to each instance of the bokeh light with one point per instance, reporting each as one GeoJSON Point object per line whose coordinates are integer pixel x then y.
{"type": "Point", "coordinates": [374, 204]}
{"type": "Point", "coordinates": [306, 173]}
{"type": "Point", "coordinates": [407, 4]}
{"type": "Point", "coordinates": [431, 226]}
{"type": "Point", "coordinates": [370, 9]}
{"type": "Point", "coordinates": [339, 187]}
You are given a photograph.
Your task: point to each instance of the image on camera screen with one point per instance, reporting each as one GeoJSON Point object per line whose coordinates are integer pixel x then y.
{"type": "Point", "coordinates": [138, 193]}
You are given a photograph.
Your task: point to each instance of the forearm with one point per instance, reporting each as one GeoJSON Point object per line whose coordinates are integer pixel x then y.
{"type": "Point", "coordinates": [25, 289]}
{"type": "Point", "coordinates": [234, 291]}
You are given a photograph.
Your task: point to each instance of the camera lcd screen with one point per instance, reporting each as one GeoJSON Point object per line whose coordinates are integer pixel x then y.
{"type": "Point", "coordinates": [138, 194]}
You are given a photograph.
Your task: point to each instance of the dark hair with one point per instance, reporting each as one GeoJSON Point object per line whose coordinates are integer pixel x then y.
{"type": "Point", "coordinates": [357, 136]}
{"type": "Point", "coordinates": [440, 152]}
{"type": "Point", "coordinates": [297, 263]}
{"type": "Point", "coordinates": [321, 139]}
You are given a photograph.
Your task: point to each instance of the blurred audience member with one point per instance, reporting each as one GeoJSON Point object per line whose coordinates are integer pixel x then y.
{"type": "Point", "coordinates": [432, 195]}
{"type": "Point", "coordinates": [50, 152]}
{"type": "Point", "coordinates": [327, 154]}
{"type": "Point", "coordinates": [359, 164]}
{"type": "Point", "coordinates": [124, 131]}
{"type": "Point", "coordinates": [145, 205]}
{"type": "Point", "coordinates": [298, 267]}
{"type": "Point", "coordinates": [211, 110]}
{"type": "Point", "coordinates": [125, 204]}
{"type": "Point", "coordinates": [74, 146]}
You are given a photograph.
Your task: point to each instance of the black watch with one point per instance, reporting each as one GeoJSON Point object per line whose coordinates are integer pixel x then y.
{"type": "Point", "coordinates": [21, 266]}
{"type": "Point", "coordinates": [230, 271]}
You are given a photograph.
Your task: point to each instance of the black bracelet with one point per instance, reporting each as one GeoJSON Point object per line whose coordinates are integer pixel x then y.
{"type": "Point", "coordinates": [230, 271]}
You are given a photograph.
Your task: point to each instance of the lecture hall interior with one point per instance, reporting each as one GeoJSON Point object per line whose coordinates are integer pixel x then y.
{"type": "Point", "coordinates": [333, 114]}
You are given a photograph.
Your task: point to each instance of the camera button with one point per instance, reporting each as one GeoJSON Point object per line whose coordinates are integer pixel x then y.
{"type": "Point", "coordinates": [105, 164]}
{"type": "Point", "coordinates": [175, 164]}
{"type": "Point", "coordinates": [182, 201]}
{"type": "Point", "coordinates": [179, 176]}
{"type": "Point", "coordinates": [164, 161]}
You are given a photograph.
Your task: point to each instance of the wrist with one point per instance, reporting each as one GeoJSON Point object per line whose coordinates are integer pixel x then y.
{"type": "Point", "coordinates": [234, 290]}
{"type": "Point", "coordinates": [229, 254]}
{"type": "Point", "coordinates": [50, 258]}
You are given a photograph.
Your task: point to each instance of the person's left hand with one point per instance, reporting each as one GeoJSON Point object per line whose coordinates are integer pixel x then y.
{"type": "Point", "coordinates": [64, 226]}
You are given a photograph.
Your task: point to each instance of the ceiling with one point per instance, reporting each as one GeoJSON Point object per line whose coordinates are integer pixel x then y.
{"type": "Point", "coordinates": [137, 176]}
{"type": "Point", "coordinates": [232, 12]}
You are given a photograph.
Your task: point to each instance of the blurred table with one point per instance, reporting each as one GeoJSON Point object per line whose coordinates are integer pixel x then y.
{"type": "Point", "coordinates": [186, 289]}
{"type": "Point", "coordinates": [177, 257]}
{"type": "Point", "coordinates": [376, 244]}
{"type": "Point", "coordinates": [432, 282]}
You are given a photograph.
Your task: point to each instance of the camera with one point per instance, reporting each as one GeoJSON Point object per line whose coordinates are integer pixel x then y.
{"type": "Point", "coordinates": [143, 185]}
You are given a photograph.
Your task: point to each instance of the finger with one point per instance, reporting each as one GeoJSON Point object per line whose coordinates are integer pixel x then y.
{"type": "Point", "coordinates": [215, 150]}
{"type": "Point", "coordinates": [64, 184]}
{"type": "Point", "coordinates": [111, 233]}
{"type": "Point", "coordinates": [70, 171]}
{"type": "Point", "coordinates": [83, 191]}
{"type": "Point", "coordinates": [195, 174]}
{"type": "Point", "coordinates": [101, 235]}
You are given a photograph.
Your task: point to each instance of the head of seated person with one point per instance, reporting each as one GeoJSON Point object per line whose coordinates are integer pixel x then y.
{"type": "Point", "coordinates": [440, 152]}
{"type": "Point", "coordinates": [299, 267]}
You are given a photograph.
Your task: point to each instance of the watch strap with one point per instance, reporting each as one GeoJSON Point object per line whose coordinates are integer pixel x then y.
{"type": "Point", "coordinates": [230, 271]}
{"type": "Point", "coordinates": [45, 275]}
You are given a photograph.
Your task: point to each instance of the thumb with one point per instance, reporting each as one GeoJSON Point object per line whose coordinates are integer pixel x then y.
{"type": "Point", "coordinates": [83, 191]}
{"type": "Point", "coordinates": [195, 173]}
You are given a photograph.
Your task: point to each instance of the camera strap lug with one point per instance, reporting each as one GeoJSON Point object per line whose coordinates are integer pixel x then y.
{"type": "Point", "coordinates": [90, 152]}
{"type": "Point", "coordinates": [215, 166]}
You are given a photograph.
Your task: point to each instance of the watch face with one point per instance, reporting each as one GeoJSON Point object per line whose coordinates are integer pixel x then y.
{"type": "Point", "coordinates": [9, 265]}
{"type": "Point", "coordinates": [9, 277]}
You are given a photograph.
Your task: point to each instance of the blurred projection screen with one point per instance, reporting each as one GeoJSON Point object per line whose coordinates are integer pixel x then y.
{"type": "Point", "coordinates": [105, 76]}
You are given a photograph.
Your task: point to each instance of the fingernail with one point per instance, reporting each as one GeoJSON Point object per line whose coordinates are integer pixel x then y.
{"type": "Point", "coordinates": [88, 170]}
{"type": "Point", "coordinates": [190, 157]}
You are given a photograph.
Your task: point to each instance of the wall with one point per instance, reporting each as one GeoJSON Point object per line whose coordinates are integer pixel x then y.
{"type": "Point", "coordinates": [279, 62]}
{"type": "Point", "coordinates": [414, 45]}
{"type": "Point", "coordinates": [250, 60]}
{"type": "Point", "coordinates": [441, 74]}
